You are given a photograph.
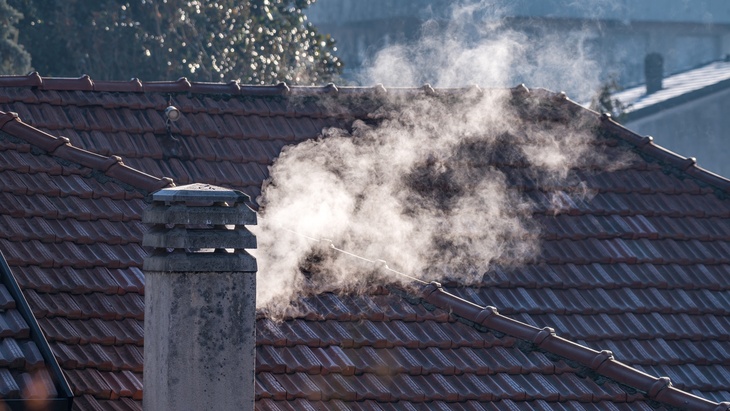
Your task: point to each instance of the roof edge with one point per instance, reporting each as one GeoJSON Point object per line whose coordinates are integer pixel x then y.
{"type": "Point", "coordinates": [135, 85]}
{"type": "Point", "coordinates": [183, 85]}
{"type": "Point", "coordinates": [657, 389]}
{"type": "Point", "coordinates": [645, 145]}
{"type": "Point", "coordinates": [84, 83]}
{"type": "Point", "coordinates": [569, 109]}
{"type": "Point", "coordinates": [61, 148]}
{"type": "Point", "coordinates": [66, 396]}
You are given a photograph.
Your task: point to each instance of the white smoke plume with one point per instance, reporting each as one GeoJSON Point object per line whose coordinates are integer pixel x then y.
{"type": "Point", "coordinates": [478, 45]}
{"type": "Point", "coordinates": [420, 184]}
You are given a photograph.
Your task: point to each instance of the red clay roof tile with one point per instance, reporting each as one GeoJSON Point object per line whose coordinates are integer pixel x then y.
{"type": "Point", "coordinates": [133, 85]}
{"type": "Point", "coordinates": [89, 382]}
{"type": "Point", "coordinates": [6, 300]}
{"type": "Point", "coordinates": [83, 83]}
{"type": "Point", "coordinates": [8, 386]}
{"type": "Point", "coordinates": [564, 348]}
{"type": "Point", "coordinates": [620, 255]}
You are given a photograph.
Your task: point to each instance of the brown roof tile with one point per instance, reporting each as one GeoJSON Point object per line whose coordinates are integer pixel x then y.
{"type": "Point", "coordinates": [603, 363]}
{"type": "Point", "coordinates": [640, 265]}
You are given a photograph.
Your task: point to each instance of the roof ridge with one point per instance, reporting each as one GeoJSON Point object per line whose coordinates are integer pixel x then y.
{"type": "Point", "coordinates": [233, 87]}
{"type": "Point", "coordinates": [602, 363]}
{"type": "Point", "coordinates": [645, 145]}
{"type": "Point", "coordinates": [85, 83]}
{"type": "Point", "coordinates": [60, 147]}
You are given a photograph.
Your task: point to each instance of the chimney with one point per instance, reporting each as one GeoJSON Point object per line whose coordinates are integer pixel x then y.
{"type": "Point", "coordinates": [200, 301]}
{"type": "Point", "coordinates": [653, 72]}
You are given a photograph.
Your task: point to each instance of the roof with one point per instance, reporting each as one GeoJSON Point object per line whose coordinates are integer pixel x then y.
{"type": "Point", "coordinates": [639, 269]}
{"type": "Point", "coordinates": [677, 89]}
{"type": "Point", "coordinates": [29, 371]}
{"type": "Point", "coordinates": [69, 221]}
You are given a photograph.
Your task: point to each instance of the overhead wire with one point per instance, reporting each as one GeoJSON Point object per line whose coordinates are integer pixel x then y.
{"type": "Point", "coordinates": [378, 262]}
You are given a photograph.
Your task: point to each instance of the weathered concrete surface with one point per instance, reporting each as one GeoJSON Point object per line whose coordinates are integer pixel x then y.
{"type": "Point", "coordinates": [200, 301]}
{"type": "Point", "coordinates": [180, 237]}
{"type": "Point", "coordinates": [199, 341]}
{"type": "Point", "coordinates": [200, 262]}
{"type": "Point", "coordinates": [182, 214]}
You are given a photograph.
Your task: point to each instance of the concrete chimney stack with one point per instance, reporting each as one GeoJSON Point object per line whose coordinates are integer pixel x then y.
{"type": "Point", "coordinates": [200, 301]}
{"type": "Point", "coordinates": [653, 72]}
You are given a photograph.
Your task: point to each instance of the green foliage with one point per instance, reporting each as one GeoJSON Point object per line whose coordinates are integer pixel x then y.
{"type": "Point", "coordinates": [13, 58]}
{"type": "Point", "coordinates": [255, 41]}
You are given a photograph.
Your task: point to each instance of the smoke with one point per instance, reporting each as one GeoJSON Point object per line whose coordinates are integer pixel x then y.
{"type": "Point", "coordinates": [480, 44]}
{"type": "Point", "coordinates": [435, 185]}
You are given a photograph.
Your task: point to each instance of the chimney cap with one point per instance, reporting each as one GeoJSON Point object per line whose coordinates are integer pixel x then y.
{"type": "Point", "coordinates": [200, 193]}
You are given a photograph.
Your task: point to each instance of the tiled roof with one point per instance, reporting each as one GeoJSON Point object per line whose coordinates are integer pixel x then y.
{"type": "Point", "coordinates": [640, 269]}
{"type": "Point", "coordinates": [70, 232]}
{"type": "Point", "coordinates": [28, 370]}
{"type": "Point", "coordinates": [677, 89]}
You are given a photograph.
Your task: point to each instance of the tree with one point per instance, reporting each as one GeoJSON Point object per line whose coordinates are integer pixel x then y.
{"type": "Point", "coordinates": [256, 41]}
{"type": "Point", "coordinates": [13, 58]}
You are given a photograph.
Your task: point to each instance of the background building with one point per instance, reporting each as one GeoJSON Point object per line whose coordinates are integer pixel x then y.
{"type": "Point", "coordinates": [617, 35]}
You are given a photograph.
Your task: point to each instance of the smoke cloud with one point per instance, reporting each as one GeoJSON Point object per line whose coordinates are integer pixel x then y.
{"type": "Point", "coordinates": [425, 183]}
{"type": "Point", "coordinates": [480, 44]}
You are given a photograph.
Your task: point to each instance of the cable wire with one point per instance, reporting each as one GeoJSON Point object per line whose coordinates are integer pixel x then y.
{"type": "Point", "coordinates": [382, 263]}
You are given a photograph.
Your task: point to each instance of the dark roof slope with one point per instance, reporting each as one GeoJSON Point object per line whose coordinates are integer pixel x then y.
{"type": "Point", "coordinates": [599, 366]}
{"type": "Point", "coordinates": [30, 373]}
{"type": "Point", "coordinates": [70, 222]}
{"type": "Point", "coordinates": [640, 268]}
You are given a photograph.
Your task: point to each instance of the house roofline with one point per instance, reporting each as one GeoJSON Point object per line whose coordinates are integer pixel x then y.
{"type": "Point", "coordinates": [183, 85]}
{"type": "Point", "coordinates": [642, 144]}
{"type": "Point", "coordinates": [61, 148]}
{"type": "Point", "coordinates": [686, 165]}
{"type": "Point", "coordinates": [603, 363]}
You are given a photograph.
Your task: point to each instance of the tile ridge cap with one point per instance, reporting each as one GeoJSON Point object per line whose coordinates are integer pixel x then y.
{"type": "Point", "coordinates": [602, 363]}
{"type": "Point", "coordinates": [182, 84]}
{"type": "Point", "coordinates": [61, 148]}
{"type": "Point", "coordinates": [30, 80]}
{"type": "Point", "coordinates": [646, 146]}
{"type": "Point", "coordinates": [684, 165]}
